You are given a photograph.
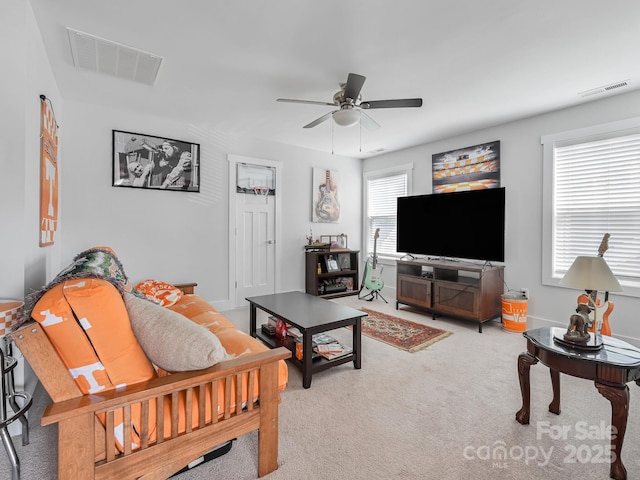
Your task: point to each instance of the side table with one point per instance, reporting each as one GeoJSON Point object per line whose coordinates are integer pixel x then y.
{"type": "Point", "coordinates": [8, 394]}
{"type": "Point", "coordinates": [611, 368]}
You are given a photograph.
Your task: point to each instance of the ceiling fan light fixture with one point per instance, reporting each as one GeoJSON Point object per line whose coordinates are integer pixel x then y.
{"type": "Point", "coordinates": [346, 117]}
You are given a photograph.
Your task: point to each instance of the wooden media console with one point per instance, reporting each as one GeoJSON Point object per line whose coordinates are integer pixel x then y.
{"type": "Point", "coordinates": [453, 288]}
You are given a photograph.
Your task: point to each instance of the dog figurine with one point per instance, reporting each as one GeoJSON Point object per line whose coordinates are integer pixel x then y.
{"type": "Point", "coordinates": [579, 324]}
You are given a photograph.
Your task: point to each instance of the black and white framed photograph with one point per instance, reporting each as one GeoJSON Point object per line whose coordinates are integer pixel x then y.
{"type": "Point", "coordinates": [146, 161]}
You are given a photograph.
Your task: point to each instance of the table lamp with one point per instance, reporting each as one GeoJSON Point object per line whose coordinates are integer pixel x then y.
{"type": "Point", "coordinates": [590, 273]}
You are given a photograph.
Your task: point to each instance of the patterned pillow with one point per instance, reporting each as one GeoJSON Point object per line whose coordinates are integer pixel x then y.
{"type": "Point", "coordinates": [162, 293]}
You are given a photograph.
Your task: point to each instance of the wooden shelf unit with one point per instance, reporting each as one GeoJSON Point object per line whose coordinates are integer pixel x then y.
{"type": "Point", "coordinates": [315, 282]}
{"type": "Point", "coordinates": [457, 289]}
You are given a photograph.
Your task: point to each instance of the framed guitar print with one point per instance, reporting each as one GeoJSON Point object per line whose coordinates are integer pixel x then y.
{"type": "Point", "coordinates": [326, 205]}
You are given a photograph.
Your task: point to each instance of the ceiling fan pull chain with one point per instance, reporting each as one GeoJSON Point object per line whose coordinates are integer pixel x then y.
{"type": "Point", "coordinates": [360, 129]}
{"type": "Point", "coordinates": [331, 138]}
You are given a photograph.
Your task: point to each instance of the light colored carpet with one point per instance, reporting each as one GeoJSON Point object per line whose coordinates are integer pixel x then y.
{"type": "Point", "coordinates": [443, 412]}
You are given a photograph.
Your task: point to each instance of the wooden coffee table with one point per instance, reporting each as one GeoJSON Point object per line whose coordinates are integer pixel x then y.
{"type": "Point", "coordinates": [611, 368]}
{"type": "Point", "coordinates": [311, 315]}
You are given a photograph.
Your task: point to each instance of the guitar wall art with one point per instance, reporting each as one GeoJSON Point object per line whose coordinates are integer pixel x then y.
{"type": "Point", "coordinates": [326, 206]}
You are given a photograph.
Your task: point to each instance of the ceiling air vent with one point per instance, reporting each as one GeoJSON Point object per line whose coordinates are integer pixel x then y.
{"type": "Point", "coordinates": [104, 56]}
{"type": "Point", "coordinates": [604, 89]}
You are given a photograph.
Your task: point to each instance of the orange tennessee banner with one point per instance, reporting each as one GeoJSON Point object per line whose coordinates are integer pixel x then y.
{"type": "Point", "coordinates": [48, 175]}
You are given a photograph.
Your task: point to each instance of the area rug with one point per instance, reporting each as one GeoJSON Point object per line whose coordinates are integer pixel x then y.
{"type": "Point", "coordinates": [401, 333]}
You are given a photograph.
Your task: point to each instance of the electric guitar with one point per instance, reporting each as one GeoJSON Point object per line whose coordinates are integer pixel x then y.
{"type": "Point", "coordinates": [599, 310]}
{"type": "Point", "coordinates": [373, 271]}
{"type": "Point", "coordinates": [327, 207]}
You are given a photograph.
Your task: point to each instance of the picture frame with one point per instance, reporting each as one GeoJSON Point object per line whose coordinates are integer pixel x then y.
{"type": "Point", "coordinates": [336, 242]}
{"type": "Point", "coordinates": [332, 264]}
{"type": "Point", "coordinates": [154, 162]}
{"type": "Point", "coordinates": [324, 195]}
{"type": "Point", "coordinates": [469, 168]}
{"type": "Point", "coordinates": [344, 261]}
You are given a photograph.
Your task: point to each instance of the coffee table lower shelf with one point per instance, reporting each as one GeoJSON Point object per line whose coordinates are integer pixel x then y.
{"type": "Point", "coordinates": [319, 362]}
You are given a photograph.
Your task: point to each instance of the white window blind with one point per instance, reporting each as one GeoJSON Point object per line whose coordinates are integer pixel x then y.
{"type": "Point", "coordinates": [596, 191]}
{"type": "Point", "coordinates": [382, 195]}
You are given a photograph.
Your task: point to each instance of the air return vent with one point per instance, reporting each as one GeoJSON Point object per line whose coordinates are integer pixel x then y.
{"type": "Point", "coordinates": [104, 56]}
{"type": "Point", "coordinates": [604, 89]}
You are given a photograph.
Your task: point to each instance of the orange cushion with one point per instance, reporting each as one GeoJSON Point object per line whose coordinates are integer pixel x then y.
{"type": "Point", "coordinates": [87, 323]}
{"type": "Point", "coordinates": [235, 342]}
{"type": "Point", "coordinates": [99, 348]}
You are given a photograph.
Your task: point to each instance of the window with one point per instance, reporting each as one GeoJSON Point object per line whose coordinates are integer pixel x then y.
{"type": "Point", "coordinates": [381, 189]}
{"type": "Point", "coordinates": [592, 187]}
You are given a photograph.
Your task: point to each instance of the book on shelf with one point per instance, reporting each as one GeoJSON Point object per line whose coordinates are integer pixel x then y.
{"type": "Point", "coordinates": [322, 338]}
{"type": "Point", "coordinates": [268, 329]}
{"type": "Point", "coordinates": [294, 332]}
{"type": "Point", "coordinates": [329, 348]}
{"type": "Point", "coordinates": [333, 355]}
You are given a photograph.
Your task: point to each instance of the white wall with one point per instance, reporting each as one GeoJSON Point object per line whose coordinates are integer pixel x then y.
{"type": "Point", "coordinates": [179, 236]}
{"type": "Point", "coordinates": [521, 173]}
{"type": "Point", "coordinates": [25, 266]}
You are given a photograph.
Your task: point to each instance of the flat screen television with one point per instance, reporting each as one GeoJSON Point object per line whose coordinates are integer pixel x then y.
{"type": "Point", "coordinates": [467, 225]}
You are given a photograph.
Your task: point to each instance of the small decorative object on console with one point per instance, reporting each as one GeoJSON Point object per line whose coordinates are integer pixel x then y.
{"type": "Point", "coordinates": [579, 324]}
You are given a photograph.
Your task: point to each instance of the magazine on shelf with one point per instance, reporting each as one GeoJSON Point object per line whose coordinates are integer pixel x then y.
{"type": "Point", "coordinates": [333, 355]}
{"type": "Point", "coordinates": [294, 332]}
{"type": "Point", "coordinates": [323, 338]}
{"type": "Point", "coordinates": [329, 348]}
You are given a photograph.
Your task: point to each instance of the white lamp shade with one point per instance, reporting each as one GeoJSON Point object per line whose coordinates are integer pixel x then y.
{"type": "Point", "coordinates": [346, 117]}
{"type": "Point", "coordinates": [591, 273]}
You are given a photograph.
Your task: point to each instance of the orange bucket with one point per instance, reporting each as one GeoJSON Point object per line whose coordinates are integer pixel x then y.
{"type": "Point", "coordinates": [514, 313]}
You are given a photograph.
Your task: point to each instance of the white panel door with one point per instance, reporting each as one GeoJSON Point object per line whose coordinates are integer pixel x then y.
{"type": "Point", "coordinates": [255, 246]}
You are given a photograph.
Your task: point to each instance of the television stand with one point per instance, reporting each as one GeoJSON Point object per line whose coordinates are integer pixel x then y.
{"type": "Point", "coordinates": [455, 289]}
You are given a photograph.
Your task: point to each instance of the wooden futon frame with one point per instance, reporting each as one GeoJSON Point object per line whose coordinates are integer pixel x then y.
{"type": "Point", "coordinates": [87, 450]}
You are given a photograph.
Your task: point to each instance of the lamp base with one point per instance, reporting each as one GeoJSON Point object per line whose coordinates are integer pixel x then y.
{"type": "Point", "coordinates": [593, 344]}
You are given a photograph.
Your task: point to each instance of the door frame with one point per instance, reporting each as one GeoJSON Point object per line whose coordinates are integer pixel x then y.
{"type": "Point", "coordinates": [232, 161]}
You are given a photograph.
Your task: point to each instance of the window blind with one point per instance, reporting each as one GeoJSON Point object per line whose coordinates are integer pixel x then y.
{"type": "Point", "coordinates": [597, 191]}
{"type": "Point", "coordinates": [382, 194]}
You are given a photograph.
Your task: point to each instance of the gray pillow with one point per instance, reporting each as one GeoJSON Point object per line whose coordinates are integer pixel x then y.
{"type": "Point", "coordinates": [170, 340]}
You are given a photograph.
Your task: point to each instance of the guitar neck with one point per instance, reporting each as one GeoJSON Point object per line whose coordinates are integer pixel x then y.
{"type": "Point", "coordinates": [375, 247]}
{"type": "Point", "coordinates": [604, 245]}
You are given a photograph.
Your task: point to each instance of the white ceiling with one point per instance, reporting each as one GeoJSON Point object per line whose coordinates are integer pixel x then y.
{"type": "Point", "coordinates": [474, 63]}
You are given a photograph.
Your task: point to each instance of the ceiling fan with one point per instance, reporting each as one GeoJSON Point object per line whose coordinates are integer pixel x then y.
{"type": "Point", "coordinates": [351, 105]}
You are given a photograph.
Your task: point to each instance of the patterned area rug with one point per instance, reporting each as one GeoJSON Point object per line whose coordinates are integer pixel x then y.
{"type": "Point", "coordinates": [400, 333]}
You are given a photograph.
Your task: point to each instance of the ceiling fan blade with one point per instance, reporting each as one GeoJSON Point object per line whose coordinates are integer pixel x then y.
{"type": "Point", "coordinates": [368, 122]}
{"type": "Point", "coordinates": [318, 121]}
{"type": "Point", "coordinates": [353, 86]}
{"type": "Point", "coordinates": [311, 102]}
{"type": "Point", "coordinates": [399, 103]}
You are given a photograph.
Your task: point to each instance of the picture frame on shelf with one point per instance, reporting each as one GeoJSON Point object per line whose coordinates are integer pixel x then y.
{"type": "Point", "coordinates": [332, 264]}
{"type": "Point", "coordinates": [344, 261]}
{"type": "Point", "coordinates": [336, 242]}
